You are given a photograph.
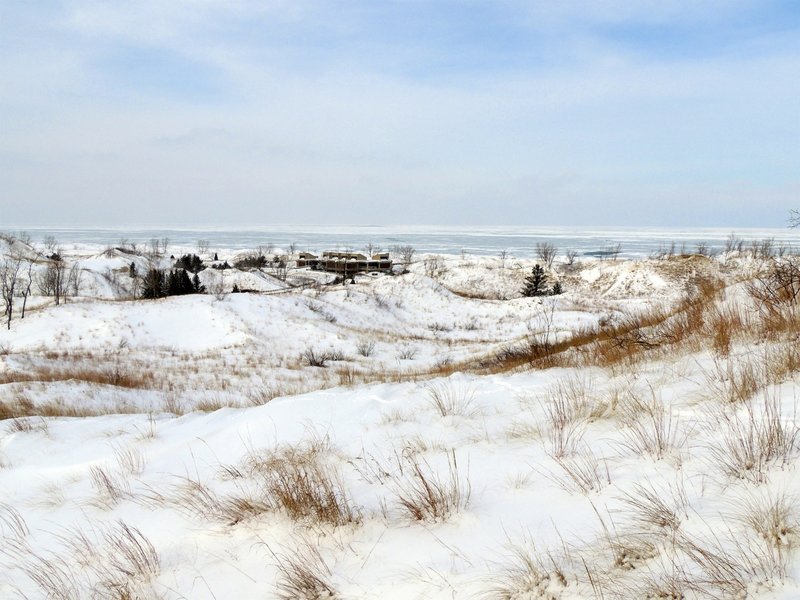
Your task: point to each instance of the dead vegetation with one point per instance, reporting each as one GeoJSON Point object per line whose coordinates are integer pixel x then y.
{"type": "Point", "coordinates": [452, 399]}
{"type": "Point", "coordinates": [755, 438]}
{"type": "Point", "coordinates": [425, 494]}
{"type": "Point", "coordinates": [303, 573]}
{"type": "Point", "coordinates": [657, 549]}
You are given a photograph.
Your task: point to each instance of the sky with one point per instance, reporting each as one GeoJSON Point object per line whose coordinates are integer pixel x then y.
{"type": "Point", "coordinates": [387, 112]}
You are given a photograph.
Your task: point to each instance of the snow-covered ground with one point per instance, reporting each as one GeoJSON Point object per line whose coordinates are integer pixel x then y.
{"type": "Point", "coordinates": [186, 447]}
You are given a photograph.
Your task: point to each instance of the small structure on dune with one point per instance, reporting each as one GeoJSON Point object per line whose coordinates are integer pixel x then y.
{"type": "Point", "coordinates": [345, 263]}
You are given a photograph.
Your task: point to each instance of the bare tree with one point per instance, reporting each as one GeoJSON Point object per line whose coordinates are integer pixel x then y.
{"type": "Point", "coordinates": [74, 280]}
{"type": "Point", "coordinates": [216, 287]}
{"type": "Point", "coordinates": [734, 244]}
{"type": "Point", "coordinates": [53, 282]}
{"type": "Point", "coordinates": [203, 246]}
{"type": "Point", "coordinates": [280, 267]}
{"type": "Point", "coordinates": [9, 278]}
{"type": "Point", "coordinates": [164, 245]}
{"type": "Point", "coordinates": [292, 248]}
{"type": "Point", "coordinates": [571, 255]}
{"type": "Point", "coordinates": [546, 252]}
{"type": "Point", "coordinates": [614, 251]}
{"type": "Point", "coordinates": [155, 247]}
{"type": "Point", "coordinates": [406, 254]}
{"type": "Point", "coordinates": [50, 243]}
{"type": "Point", "coordinates": [503, 254]}
{"type": "Point", "coordinates": [794, 218]}
{"type": "Point", "coordinates": [26, 290]}
{"type": "Point", "coordinates": [371, 249]}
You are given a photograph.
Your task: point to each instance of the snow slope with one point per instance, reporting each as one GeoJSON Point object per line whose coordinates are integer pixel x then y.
{"type": "Point", "coordinates": [199, 424]}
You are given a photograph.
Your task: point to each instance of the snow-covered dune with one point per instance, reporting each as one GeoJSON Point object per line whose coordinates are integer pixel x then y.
{"type": "Point", "coordinates": [191, 447]}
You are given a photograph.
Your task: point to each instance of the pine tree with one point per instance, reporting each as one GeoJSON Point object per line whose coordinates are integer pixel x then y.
{"type": "Point", "coordinates": [236, 289]}
{"type": "Point", "coordinates": [154, 284]}
{"type": "Point", "coordinates": [132, 270]}
{"type": "Point", "coordinates": [557, 290]}
{"type": "Point", "coordinates": [179, 283]}
{"type": "Point", "coordinates": [535, 283]}
{"type": "Point", "coordinates": [190, 262]}
{"type": "Point", "coordinates": [197, 287]}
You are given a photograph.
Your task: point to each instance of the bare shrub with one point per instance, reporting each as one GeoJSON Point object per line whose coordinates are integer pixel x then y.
{"type": "Point", "coordinates": [570, 256]}
{"type": "Point", "coordinates": [315, 358]}
{"type": "Point", "coordinates": [425, 495]}
{"type": "Point", "coordinates": [366, 348]}
{"type": "Point", "coordinates": [407, 353]}
{"type": "Point", "coordinates": [434, 266]}
{"type": "Point", "coordinates": [380, 300]}
{"type": "Point", "coordinates": [762, 249]}
{"type": "Point", "coordinates": [336, 354]}
{"type": "Point", "coordinates": [451, 399]}
{"type": "Point", "coordinates": [780, 285]}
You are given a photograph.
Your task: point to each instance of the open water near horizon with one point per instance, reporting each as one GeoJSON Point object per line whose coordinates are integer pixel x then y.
{"type": "Point", "coordinates": [487, 241]}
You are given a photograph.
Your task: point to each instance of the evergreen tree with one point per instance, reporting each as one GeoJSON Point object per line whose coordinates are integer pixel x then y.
{"type": "Point", "coordinates": [535, 283]}
{"type": "Point", "coordinates": [154, 284]}
{"type": "Point", "coordinates": [197, 287]}
{"type": "Point", "coordinates": [215, 256]}
{"type": "Point", "coordinates": [236, 289]}
{"type": "Point", "coordinates": [179, 283]}
{"type": "Point", "coordinates": [190, 262]}
{"type": "Point", "coordinates": [557, 290]}
{"type": "Point", "coordinates": [132, 270]}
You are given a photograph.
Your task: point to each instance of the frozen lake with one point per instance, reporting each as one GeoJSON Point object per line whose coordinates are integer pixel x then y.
{"type": "Point", "coordinates": [517, 241]}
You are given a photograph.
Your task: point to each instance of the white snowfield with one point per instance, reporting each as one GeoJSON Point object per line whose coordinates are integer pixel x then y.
{"type": "Point", "coordinates": [187, 447]}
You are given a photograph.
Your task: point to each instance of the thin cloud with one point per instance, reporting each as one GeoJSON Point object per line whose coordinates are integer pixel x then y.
{"type": "Point", "coordinates": [480, 112]}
